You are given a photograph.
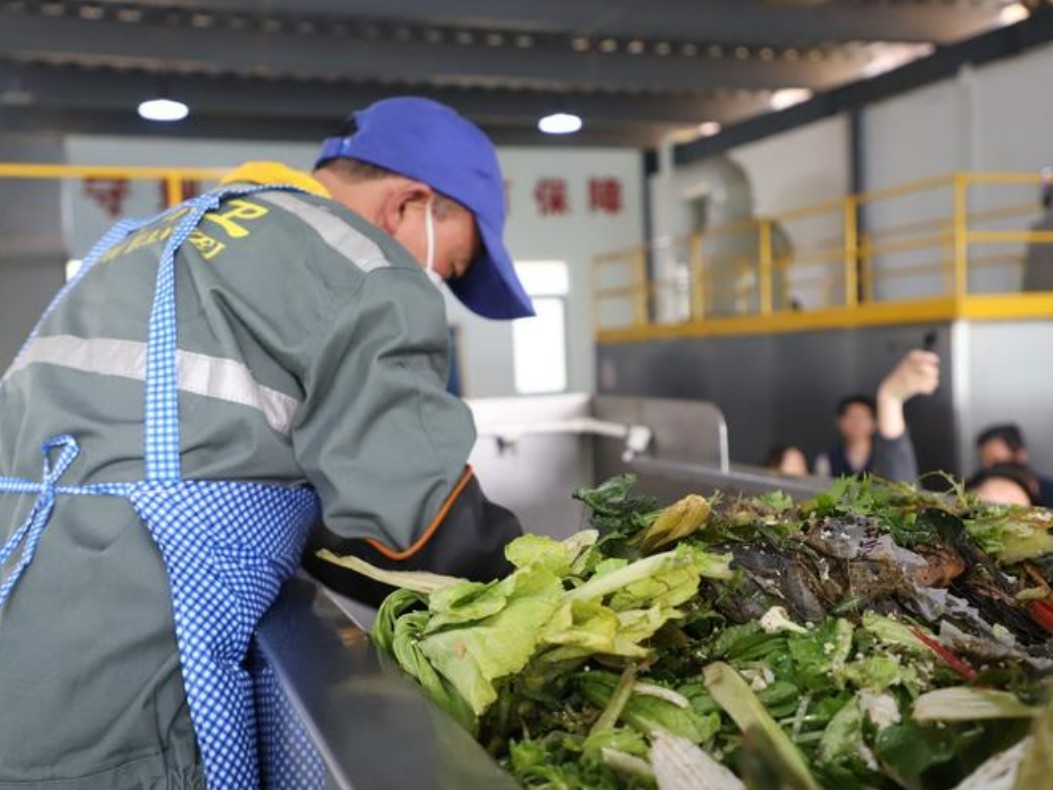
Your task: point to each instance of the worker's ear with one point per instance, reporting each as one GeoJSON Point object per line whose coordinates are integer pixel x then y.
{"type": "Point", "coordinates": [400, 201]}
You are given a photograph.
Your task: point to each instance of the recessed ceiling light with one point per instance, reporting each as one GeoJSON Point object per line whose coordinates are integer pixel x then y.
{"type": "Point", "coordinates": [559, 123]}
{"type": "Point", "coordinates": [163, 110]}
{"type": "Point", "coordinates": [787, 97]}
{"type": "Point", "coordinates": [1013, 13]}
{"type": "Point", "coordinates": [708, 129]}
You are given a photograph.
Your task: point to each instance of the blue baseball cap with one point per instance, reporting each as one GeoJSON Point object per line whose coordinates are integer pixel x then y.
{"type": "Point", "coordinates": [429, 142]}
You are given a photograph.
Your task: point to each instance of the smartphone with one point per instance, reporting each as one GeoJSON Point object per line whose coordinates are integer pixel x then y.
{"type": "Point", "coordinates": [928, 343]}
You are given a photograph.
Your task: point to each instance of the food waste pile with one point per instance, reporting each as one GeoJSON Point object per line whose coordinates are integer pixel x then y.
{"type": "Point", "coordinates": [872, 637]}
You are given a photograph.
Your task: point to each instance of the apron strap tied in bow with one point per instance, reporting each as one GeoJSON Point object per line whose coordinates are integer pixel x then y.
{"type": "Point", "coordinates": [28, 535]}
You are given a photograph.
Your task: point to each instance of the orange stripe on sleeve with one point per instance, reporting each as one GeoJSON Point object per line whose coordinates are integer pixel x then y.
{"type": "Point", "coordinates": [419, 544]}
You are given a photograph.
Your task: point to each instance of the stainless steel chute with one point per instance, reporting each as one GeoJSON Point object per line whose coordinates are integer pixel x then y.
{"type": "Point", "coordinates": [532, 452]}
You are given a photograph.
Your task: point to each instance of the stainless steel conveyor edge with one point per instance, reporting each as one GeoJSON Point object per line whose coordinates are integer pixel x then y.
{"type": "Point", "coordinates": [374, 728]}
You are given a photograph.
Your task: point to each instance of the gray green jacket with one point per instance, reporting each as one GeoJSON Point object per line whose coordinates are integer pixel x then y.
{"type": "Point", "coordinates": [312, 349]}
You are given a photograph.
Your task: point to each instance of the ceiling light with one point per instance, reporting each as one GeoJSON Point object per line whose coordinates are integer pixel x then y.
{"type": "Point", "coordinates": [1013, 13]}
{"type": "Point", "coordinates": [787, 97]}
{"type": "Point", "coordinates": [708, 129]}
{"type": "Point", "coordinates": [163, 110]}
{"type": "Point", "coordinates": [559, 123]}
{"type": "Point", "coordinates": [14, 95]}
{"type": "Point", "coordinates": [887, 57]}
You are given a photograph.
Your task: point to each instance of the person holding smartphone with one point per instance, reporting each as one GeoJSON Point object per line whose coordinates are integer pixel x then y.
{"type": "Point", "coordinates": [874, 435]}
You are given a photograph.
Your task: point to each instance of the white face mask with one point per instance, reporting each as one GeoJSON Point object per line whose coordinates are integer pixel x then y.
{"type": "Point", "coordinates": [429, 234]}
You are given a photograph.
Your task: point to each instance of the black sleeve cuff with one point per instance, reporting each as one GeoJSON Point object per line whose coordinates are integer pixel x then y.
{"type": "Point", "coordinates": [469, 543]}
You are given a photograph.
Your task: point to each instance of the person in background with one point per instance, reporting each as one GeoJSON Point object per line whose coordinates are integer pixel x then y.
{"type": "Point", "coordinates": [1038, 262]}
{"type": "Point", "coordinates": [856, 423]}
{"type": "Point", "coordinates": [874, 436]}
{"type": "Point", "coordinates": [1005, 484]}
{"type": "Point", "coordinates": [1004, 444]}
{"type": "Point", "coordinates": [787, 460]}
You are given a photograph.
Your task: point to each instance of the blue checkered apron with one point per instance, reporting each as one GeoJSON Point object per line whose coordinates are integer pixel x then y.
{"type": "Point", "coordinates": [227, 548]}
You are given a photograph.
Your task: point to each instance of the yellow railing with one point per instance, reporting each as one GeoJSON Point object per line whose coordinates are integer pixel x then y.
{"type": "Point", "coordinates": [907, 252]}
{"type": "Point", "coordinates": [174, 178]}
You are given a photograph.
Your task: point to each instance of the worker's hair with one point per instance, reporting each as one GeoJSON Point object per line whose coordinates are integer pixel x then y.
{"type": "Point", "coordinates": [1009, 433]}
{"type": "Point", "coordinates": [356, 171]}
{"type": "Point", "coordinates": [852, 400]}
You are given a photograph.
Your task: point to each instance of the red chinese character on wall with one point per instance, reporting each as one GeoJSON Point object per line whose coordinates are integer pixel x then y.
{"type": "Point", "coordinates": [108, 193]}
{"type": "Point", "coordinates": [187, 189]}
{"type": "Point", "coordinates": [605, 195]}
{"type": "Point", "coordinates": [550, 194]}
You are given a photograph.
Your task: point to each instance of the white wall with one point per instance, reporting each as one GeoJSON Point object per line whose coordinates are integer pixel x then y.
{"type": "Point", "coordinates": [926, 133]}
{"type": "Point", "coordinates": [799, 167]}
{"type": "Point", "coordinates": [1013, 112]}
{"type": "Point", "coordinates": [486, 350]}
{"type": "Point", "coordinates": [916, 135]}
{"type": "Point", "coordinates": [994, 117]}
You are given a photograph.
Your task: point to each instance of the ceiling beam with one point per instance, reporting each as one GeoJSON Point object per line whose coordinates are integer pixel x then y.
{"type": "Point", "coordinates": [258, 52]}
{"type": "Point", "coordinates": [32, 119]}
{"type": "Point", "coordinates": [944, 64]}
{"type": "Point", "coordinates": [721, 21]}
{"type": "Point", "coordinates": [102, 88]}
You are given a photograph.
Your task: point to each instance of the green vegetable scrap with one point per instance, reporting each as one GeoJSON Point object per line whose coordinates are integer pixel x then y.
{"type": "Point", "coordinates": [873, 637]}
{"type": "Point", "coordinates": [749, 714]}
